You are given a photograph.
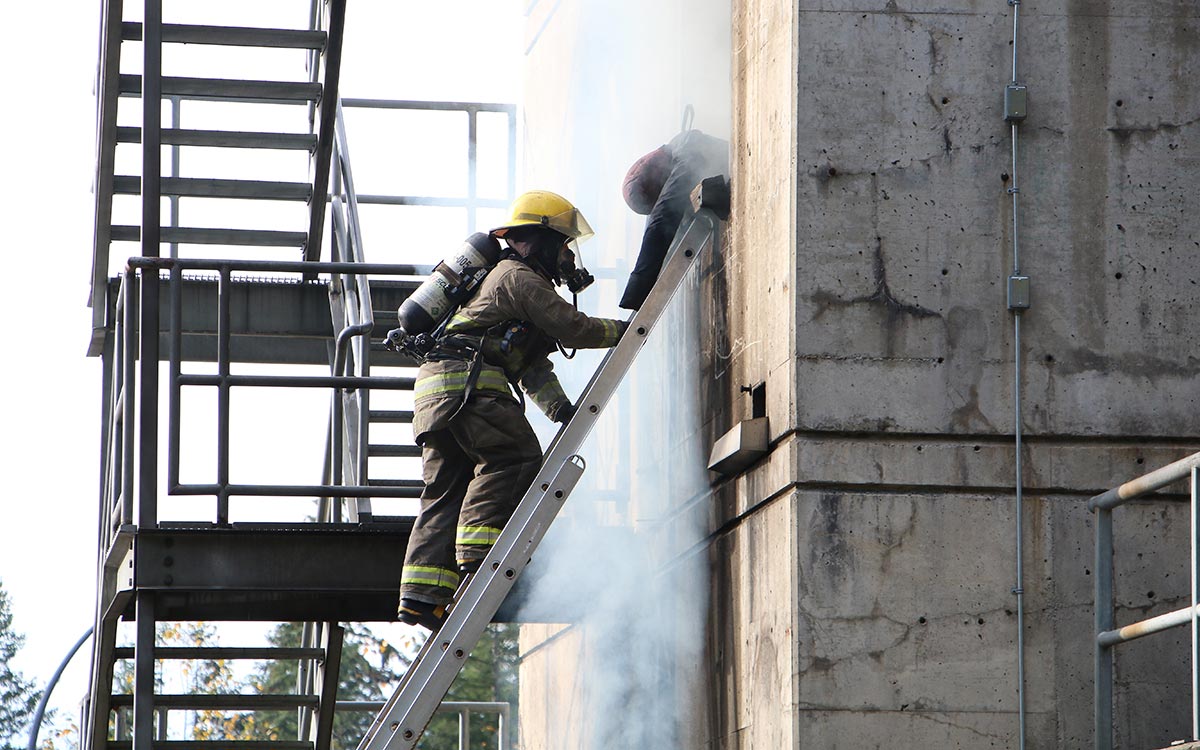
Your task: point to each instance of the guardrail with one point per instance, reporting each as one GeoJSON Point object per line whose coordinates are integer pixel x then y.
{"type": "Point", "coordinates": [1108, 635]}
{"type": "Point", "coordinates": [130, 493]}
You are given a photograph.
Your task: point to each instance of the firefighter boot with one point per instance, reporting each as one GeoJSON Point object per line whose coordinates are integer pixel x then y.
{"type": "Point", "coordinates": [428, 616]}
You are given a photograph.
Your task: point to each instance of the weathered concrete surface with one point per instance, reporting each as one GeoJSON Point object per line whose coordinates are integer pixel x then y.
{"type": "Point", "coordinates": [862, 571]}
{"type": "Point", "coordinates": [900, 456]}
{"type": "Point", "coordinates": [754, 318]}
{"type": "Point", "coordinates": [904, 224]}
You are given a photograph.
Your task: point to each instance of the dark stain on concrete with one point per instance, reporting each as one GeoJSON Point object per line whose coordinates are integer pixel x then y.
{"type": "Point", "coordinates": [1089, 58]}
{"type": "Point", "coordinates": [966, 330]}
{"type": "Point", "coordinates": [830, 554]}
{"type": "Point", "coordinates": [881, 297]}
{"type": "Point", "coordinates": [723, 681]}
{"type": "Point", "coordinates": [1124, 133]}
{"type": "Point", "coordinates": [1081, 360]}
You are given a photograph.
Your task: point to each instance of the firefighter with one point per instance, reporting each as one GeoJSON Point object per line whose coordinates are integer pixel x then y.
{"type": "Point", "coordinates": [659, 185]}
{"type": "Point", "coordinates": [479, 454]}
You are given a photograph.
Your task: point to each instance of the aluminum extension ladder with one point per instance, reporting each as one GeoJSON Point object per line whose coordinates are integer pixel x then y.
{"type": "Point", "coordinates": [403, 719]}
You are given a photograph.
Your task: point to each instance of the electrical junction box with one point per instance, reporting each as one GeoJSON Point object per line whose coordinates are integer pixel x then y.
{"type": "Point", "coordinates": [1018, 292]}
{"type": "Point", "coordinates": [1016, 102]}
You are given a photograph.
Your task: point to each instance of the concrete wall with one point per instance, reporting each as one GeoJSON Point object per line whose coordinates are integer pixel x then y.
{"type": "Point", "coordinates": [861, 573]}
{"type": "Point", "coordinates": [894, 462]}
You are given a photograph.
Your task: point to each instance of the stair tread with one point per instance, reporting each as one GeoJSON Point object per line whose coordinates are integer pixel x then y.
{"type": "Point", "coordinates": [404, 520]}
{"type": "Point", "coordinates": [208, 744]}
{"type": "Point", "coordinates": [417, 483]}
{"type": "Point", "coordinates": [223, 138]}
{"type": "Point", "coordinates": [224, 652]}
{"type": "Point", "coordinates": [393, 451]}
{"type": "Point", "coordinates": [206, 187]}
{"type": "Point", "coordinates": [205, 236]}
{"type": "Point", "coordinates": [227, 88]}
{"type": "Point", "coordinates": [237, 36]}
{"type": "Point", "coordinates": [215, 701]}
{"type": "Point", "coordinates": [386, 416]}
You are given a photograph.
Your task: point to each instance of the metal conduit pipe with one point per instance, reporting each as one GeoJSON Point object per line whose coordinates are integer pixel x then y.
{"type": "Point", "coordinates": [40, 713]}
{"type": "Point", "coordinates": [1017, 302]}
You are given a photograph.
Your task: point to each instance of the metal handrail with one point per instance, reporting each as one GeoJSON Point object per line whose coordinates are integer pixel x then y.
{"type": "Point", "coordinates": [107, 87]}
{"type": "Point", "coordinates": [1107, 634]}
{"type": "Point", "coordinates": [123, 446]}
{"type": "Point", "coordinates": [502, 709]}
{"type": "Point", "coordinates": [329, 63]}
{"type": "Point", "coordinates": [349, 428]}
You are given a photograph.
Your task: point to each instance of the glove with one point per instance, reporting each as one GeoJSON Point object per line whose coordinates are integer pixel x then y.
{"type": "Point", "coordinates": [564, 413]}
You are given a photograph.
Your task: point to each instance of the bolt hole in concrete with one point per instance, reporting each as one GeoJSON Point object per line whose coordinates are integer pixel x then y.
{"type": "Point", "coordinates": [941, 360]}
{"type": "Point", "coordinates": [1149, 594]}
{"type": "Point", "coordinates": [1118, 275]}
{"type": "Point", "coordinates": [1120, 103]}
{"type": "Point", "coordinates": [921, 620]}
{"type": "Point", "coordinates": [945, 100]}
{"type": "Point", "coordinates": [1049, 357]}
{"type": "Point", "coordinates": [1141, 461]}
{"type": "Point", "coordinates": [945, 272]}
{"type": "Point", "coordinates": [976, 449]}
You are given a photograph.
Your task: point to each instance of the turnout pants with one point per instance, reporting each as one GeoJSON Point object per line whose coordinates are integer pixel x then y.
{"type": "Point", "coordinates": [476, 468]}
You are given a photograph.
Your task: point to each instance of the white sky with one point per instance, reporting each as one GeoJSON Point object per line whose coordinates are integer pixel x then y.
{"type": "Point", "coordinates": [48, 535]}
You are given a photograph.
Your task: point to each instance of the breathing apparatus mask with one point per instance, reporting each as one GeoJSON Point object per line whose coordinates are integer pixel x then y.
{"type": "Point", "coordinates": [553, 253]}
{"type": "Point", "coordinates": [576, 279]}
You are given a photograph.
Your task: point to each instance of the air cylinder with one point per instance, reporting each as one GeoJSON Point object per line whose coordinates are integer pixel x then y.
{"type": "Point", "coordinates": [452, 282]}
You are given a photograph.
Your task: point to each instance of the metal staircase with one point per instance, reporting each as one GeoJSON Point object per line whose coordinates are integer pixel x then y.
{"type": "Point", "coordinates": [313, 97]}
{"type": "Point", "coordinates": [315, 689]}
{"type": "Point", "coordinates": [226, 296]}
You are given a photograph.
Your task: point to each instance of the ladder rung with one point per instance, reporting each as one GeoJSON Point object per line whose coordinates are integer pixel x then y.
{"type": "Point", "coordinates": [235, 36]}
{"type": "Point", "coordinates": [197, 236]}
{"type": "Point", "coordinates": [223, 88]}
{"type": "Point", "coordinates": [394, 451]}
{"type": "Point", "coordinates": [214, 744]}
{"type": "Point", "coordinates": [222, 702]}
{"type": "Point", "coordinates": [404, 417]}
{"type": "Point", "coordinates": [220, 652]}
{"type": "Point", "coordinates": [224, 139]}
{"type": "Point", "coordinates": [196, 187]}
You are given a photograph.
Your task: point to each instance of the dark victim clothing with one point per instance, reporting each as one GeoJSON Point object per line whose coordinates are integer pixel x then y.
{"type": "Point", "coordinates": [694, 156]}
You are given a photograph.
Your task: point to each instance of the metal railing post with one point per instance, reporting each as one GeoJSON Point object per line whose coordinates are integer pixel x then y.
{"type": "Point", "coordinates": [1104, 623]}
{"type": "Point", "coordinates": [1107, 635]}
{"type": "Point", "coordinates": [472, 165]}
{"type": "Point", "coordinates": [1195, 602]}
{"type": "Point", "coordinates": [128, 398]}
{"type": "Point", "coordinates": [174, 405]}
{"type": "Point", "coordinates": [224, 292]}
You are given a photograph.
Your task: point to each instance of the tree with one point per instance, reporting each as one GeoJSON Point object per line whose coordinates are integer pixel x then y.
{"type": "Point", "coordinates": [490, 675]}
{"type": "Point", "coordinates": [18, 696]}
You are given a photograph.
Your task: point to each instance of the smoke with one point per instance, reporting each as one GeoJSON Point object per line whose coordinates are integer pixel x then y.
{"type": "Point", "coordinates": [606, 82]}
{"type": "Point", "coordinates": [624, 562]}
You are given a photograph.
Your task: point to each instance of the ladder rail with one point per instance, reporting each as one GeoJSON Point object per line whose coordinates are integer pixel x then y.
{"type": "Point", "coordinates": [401, 722]}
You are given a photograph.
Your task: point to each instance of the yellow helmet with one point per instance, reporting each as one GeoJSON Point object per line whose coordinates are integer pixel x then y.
{"type": "Point", "coordinates": [543, 208]}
